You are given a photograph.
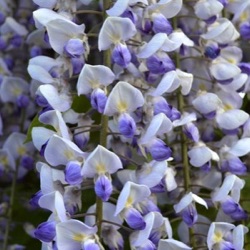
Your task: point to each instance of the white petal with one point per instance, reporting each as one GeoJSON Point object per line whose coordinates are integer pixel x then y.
{"type": "Point", "coordinates": [171, 244]}
{"type": "Point", "coordinates": [118, 8]}
{"type": "Point", "coordinates": [224, 70]}
{"type": "Point", "coordinates": [186, 80]}
{"type": "Point", "coordinates": [58, 101]}
{"type": "Point", "coordinates": [199, 200]}
{"type": "Point", "coordinates": [123, 98]}
{"type": "Point", "coordinates": [115, 30]}
{"type": "Point", "coordinates": [241, 147]}
{"type": "Point", "coordinates": [201, 101]}
{"type": "Point", "coordinates": [169, 82]}
{"type": "Point", "coordinates": [60, 31]}
{"type": "Point", "coordinates": [42, 16]}
{"type": "Point", "coordinates": [232, 119]}
{"type": "Point", "coordinates": [60, 151]}
{"type": "Point", "coordinates": [199, 155]}
{"type": "Point", "coordinates": [101, 161]}
{"type": "Point", "coordinates": [159, 125]}
{"type": "Point", "coordinates": [131, 194]}
{"type": "Point", "coordinates": [185, 201]}
{"type": "Point", "coordinates": [222, 31]}
{"type": "Point", "coordinates": [40, 136]}
{"type": "Point", "coordinates": [169, 8]}
{"type": "Point", "coordinates": [92, 77]}
{"type": "Point", "coordinates": [153, 45]}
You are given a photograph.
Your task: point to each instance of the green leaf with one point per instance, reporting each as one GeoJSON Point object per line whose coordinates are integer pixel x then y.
{"type": "Point", "coordinates": [80, 104]}
{"type": "Point", "coordinates": [36, 123]}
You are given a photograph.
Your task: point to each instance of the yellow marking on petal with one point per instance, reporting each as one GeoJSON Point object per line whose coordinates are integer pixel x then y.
{"type": "Point", "coordinates": [4, 160]}
{"type": "Point", "coordinates": [69, 154]}
{"type": "Point", "coordinates": [129, 202]}
{"type": "Point", "coordinates": [202, 87]}
{"type": "Point", "coordinates": [79, 237]}
{"type": "Point", "coordinates": [122, 106]}
{"type": "Point", "coordinates": [21, 150]}
{"type": "Point", "coordinates": [244, 16]}
{"type": "Point", "coordinates": [16, 91]}
{"type": "Point", "coordinates": [232, 60]}
{"type": "Point", "coordinates": [227, 107]}
{"type": "Point", "coordinates": [100, 168]}
{"type": "Point", "coordinates": [218, 236]}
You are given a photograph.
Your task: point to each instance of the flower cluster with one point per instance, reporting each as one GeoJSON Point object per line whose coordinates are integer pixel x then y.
{"type": "Point", "coordinates": [134, 116]}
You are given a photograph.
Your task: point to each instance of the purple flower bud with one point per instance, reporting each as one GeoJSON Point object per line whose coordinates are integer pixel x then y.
{"type": "Point", "coordinates": [35, 51]}
{"type": "Point", "coordinates": [98, 99]}
{"type": "Point", "coordinates": [210, 115]}
{"type": "Point", "coordinates": [77, 64]}
{"type": "Point", "coordinates": [74, 48]}
{"type": "Point", "coordinates": [148, 206]}
{"type": "Point", "coordinates": [129, 14]}
{"type": "Point", "coordinates": [245, 30]}
{"type": "Point", "coordinates": [155, 236]}
{"type": "Point", "coordinates": [35, 198]}
{"type": "Point", "coordinates": [159, 188]}
{"type": "Point", "coordinates": [81, 140]}
{"type": "Point", "coordinates": [212, 51]}
{"type": "Point", "coordinates": [225, 82]}
{"type": "Point", "coordinates": [146, 29]}
{"type": "Point", "coordinates": [121, 55]}
{"type": "Point", "coordinates": [189, 215]}
{"type": "Point", "coordinates": [103, 187]}
{"type": "Point", "coordinates": [42, 150]}
{"type": "Point", "coordinates": [10, 63]}
{"type": "Point", "coordinates": [27, 162]}
{"type": "Point", "coordinates": [127, 126]}
{"type": "Point", "coordinates": [41, 101]}
{"type": "Point", "coordinates": [245, 67]}
{"type": "Point", "coordinates": [159, 65]}
{"type": "Point", "coordinates": [161, 106]}
{"type": "Point", "coordinates": [16, 40]}
{"type": "Point", "coordinates": [161, 24]}
{"type": "Point", "coordinates": [229, 205]}
{"type": "Point", "coordinates": [211, 19]}
{"type": "Point", "coordinates": [54, 72]}
{"type": "Point", "coordinates": [150, 77]}
{"type": "Point", "coordinates": [22, 101]}
{"type": "Point", "coordinates": [134, 219]}
{"type": "Point", "coordinates": [159, 150]}
{"type": "Point", "coordinates": [206, 167]}
{"type": "Point", "coordinates": [2, 17]}
{"type": "Point", "coordinates": [192, 132]}
{"type": "Point", "coordinates": [3, 44]}
{"type": "Point", "coordinates": [46, 231]}
{"type": "Point", "coordinates": [46, 37]}
{"type": "Point", "coordinates": [239, 214]}
{"type": "Point", "coordinates": [73, 173]}
{"type": "Point", "coordinates": [234, 165]}
{"type": "Point", "coordinates": [175, 114]}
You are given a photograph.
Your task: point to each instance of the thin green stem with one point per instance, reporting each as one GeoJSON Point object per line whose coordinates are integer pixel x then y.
{"type": "Point", "coordinates": [104, 129]}
{"type": "Point", "coordinates": [95, 12]}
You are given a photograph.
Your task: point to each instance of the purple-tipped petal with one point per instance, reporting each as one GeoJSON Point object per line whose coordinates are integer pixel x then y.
{"type": "Point", "coordinates": [127, 126]}
{"type": "Point", "coordinates": [46, 231]}
{"type": "Point", "coordinates": [73, 173]}
{"type": "Point", "coordinates": [98, 100]}
{"type": "Point", "coordinates": [159, 150]}
{"type": "Point", "coordinates": [121, 55]}
{"type": "Point", "coordinates": [103, 187]}
{"type": "Point", "coordinates": [135, 219]}
{"type": "Point", "coordinates": [74, 47]}
{"type": "Point", "coordinates": [189, 215]}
